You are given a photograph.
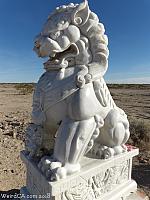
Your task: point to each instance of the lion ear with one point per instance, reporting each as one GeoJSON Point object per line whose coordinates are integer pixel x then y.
{"type": "Point", "coordinates": [81, 14]}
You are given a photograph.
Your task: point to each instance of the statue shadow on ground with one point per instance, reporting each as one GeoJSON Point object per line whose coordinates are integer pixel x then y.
{"type": "Point", "coordinates": [141, 173]}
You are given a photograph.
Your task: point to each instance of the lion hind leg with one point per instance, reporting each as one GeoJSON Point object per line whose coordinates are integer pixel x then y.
{"type": "Point", "coordinates": [116, 128]}
{"type": "Point", "coordinates": [113, 135]}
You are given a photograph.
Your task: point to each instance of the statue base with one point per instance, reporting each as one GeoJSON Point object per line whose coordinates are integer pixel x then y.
{"type": "Point", "coordinates": [98, 180]}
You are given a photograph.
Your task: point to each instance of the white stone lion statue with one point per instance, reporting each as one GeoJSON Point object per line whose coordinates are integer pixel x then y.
{"type": "Point", "coordinates": [73, 111]}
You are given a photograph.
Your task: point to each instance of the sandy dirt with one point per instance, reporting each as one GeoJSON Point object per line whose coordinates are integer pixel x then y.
{"type": "Point", "coordinates": [136, 102]}
{"type": "Point", "coordinates": [15, 110]}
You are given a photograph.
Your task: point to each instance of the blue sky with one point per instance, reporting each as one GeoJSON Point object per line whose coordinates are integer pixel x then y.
{"type": "Point", "coordinates": [127, 24]}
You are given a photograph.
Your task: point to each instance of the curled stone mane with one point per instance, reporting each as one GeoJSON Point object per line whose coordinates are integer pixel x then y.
{"type": "Point", "coordinates": [94, 31]}
{"type": "Point", "coordinates": [90, 27]}
{"type": "Point", "coordinates": [64, 8]}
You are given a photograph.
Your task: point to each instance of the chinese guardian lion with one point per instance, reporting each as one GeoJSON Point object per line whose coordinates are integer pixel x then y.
{"type": "Point", "coordinates": [73, 111]}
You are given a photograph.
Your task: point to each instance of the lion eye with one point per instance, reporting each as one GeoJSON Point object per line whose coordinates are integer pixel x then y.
{"type": "Point", "coordinates": [55, 35]}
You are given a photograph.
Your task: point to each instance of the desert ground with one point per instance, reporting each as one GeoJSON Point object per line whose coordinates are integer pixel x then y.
{"type": "Point", "coordinates": [15, 110]}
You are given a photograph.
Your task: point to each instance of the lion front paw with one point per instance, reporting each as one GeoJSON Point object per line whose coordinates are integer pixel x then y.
{"type": "Point", "coordinates": [54, 170]}
{"type": "Point", "coordinates": [50, 167]}
{"type": "Point", "coordinates": [59, 173]}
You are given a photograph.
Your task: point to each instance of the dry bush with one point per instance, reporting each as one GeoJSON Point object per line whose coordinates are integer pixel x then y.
{"type": "Point", "coordinates": [140, 133]}
{"type": "Point", "coordinates": [128, 86]}
{"type": "Point", "coordinates": [24, 88]}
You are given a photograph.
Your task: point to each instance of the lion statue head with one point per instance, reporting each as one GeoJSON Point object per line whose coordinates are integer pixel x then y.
{"type": "Point", "coordinates": [73, 36]}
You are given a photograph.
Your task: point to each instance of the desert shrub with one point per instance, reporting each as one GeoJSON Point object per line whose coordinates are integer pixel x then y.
{"type": "Point", "coordinates": [25, 88]}
{"type": "Point", "coordinates": [140, 133]}
{"type": "Point", "coordinates": [128, 86]}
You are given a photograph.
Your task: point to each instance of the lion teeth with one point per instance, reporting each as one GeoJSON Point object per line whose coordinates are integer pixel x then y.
{"type": "Point", "coordinates": [53, 55]}
{"type": "Point", "coordinates": [56, 61]}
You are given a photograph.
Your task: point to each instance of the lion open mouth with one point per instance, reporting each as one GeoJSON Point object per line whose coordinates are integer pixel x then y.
{"type": "Point", "coordinates": [59, 59]}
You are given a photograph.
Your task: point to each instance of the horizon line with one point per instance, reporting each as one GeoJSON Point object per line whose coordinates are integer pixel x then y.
{"type": "Point", "coordinates": [106, 83]}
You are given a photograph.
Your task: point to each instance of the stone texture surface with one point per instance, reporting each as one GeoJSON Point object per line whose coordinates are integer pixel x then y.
{"type": "Point", "coordinates": [98, 180]}
{"type": "Point", "coordinates": [73, 110]}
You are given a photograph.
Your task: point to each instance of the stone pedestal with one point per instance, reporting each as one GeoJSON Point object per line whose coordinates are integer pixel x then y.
{"type": "Point", "coordinates": [98, 180]}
